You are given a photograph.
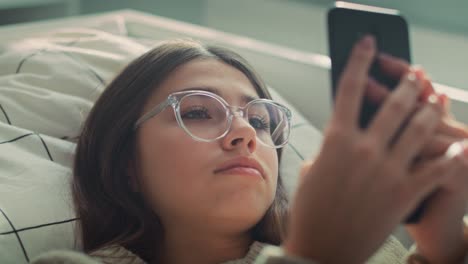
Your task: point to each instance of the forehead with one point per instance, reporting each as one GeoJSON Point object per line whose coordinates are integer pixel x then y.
{"type": "Point", "coordinates": [212, 74]}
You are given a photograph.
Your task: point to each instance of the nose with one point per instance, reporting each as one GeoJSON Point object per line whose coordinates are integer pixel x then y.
{"type": "Point", "coordinates": [241, 135]}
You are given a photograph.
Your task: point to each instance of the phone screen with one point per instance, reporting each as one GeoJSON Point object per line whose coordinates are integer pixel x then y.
{"type": "Point", "coordinates": [347, 24]}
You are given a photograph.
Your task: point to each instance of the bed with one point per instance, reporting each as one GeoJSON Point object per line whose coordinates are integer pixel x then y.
{"type": "Point", "coordinates": [50, 74]}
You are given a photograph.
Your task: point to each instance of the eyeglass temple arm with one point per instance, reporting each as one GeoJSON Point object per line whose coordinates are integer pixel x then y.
{"type": "Point", "coordinates": [156, 110]}
{"type": "Point", "coordinates": [277, 132]}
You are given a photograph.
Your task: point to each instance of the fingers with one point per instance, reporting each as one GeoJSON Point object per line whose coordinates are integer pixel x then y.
{"type": "Point", "coordinates": [453, 163]}
{"type": "Point", "coordinates": [420, 128]}
{"type": "Point", "coordinates": [446, 101]}
{"type": "Point", "coordinates": [428, 88]}
{"type": "Point", "coordinates": [305, 168]}
{"type": "Point", "coordinates": [352, 82]}
{"type": "Point", "coordinates": [437, 146]}
{"type": "Point", "coordinates": [453, 128]}
{"type": "Point", "coordinates": [430, 175]}
{"type": "Point", "coordinates": [464, 156]}
{"type": "Point", "coordinates": [396, 109]}
{"type": "Point", "coordinates": [376, 92]}
{"type": "Point", "coordinates": [396, 68]}
{"type": "Point", "coordinates": [449, 129]}
{"type": "Point", "coordinates": [393, 66]}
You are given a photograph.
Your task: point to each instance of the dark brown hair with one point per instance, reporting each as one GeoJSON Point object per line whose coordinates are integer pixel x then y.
{"type": "Point", "coordinates": [110, 212]}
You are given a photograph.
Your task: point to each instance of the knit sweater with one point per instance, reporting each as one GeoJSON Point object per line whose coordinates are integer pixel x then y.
{"type": "Point", "coordinates": [392, 252]}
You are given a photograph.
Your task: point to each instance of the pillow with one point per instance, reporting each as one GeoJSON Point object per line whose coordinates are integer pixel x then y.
{"type": "Point", "coordinates": [304, 143]}
{"type": "Point", "coordinates": [47, 86]}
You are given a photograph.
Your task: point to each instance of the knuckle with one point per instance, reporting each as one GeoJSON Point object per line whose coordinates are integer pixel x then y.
{"type": "Point", "coordinates": [436, 112]}
{"type": "Point", "coordinates": [350, 81]}
{"type": "Point", "coordinates": [430, 173]}
{"type": "Point", "coordinates": [427, 118]}
{"type": "Point", "coordinates": [359, 54]}
{"type": "Point", "coordinates": [410, 81]}
{"type": "Point", "coordinates": [393, 171]}
{"type": "Point", "coordinates": [336, 131]}
{"type": "Point", "coordinates": [397, 180]}
{"type": "Point", "coordinates": [438, 169]}
{"type": "Point", "coordinates": [419, 127]}
{"type": "Point", "coordinates": [398, 107]}
{"type": "Point", "coordinates": [366, 149]}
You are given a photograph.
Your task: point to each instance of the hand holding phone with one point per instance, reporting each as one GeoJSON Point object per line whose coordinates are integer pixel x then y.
{"type": "Point", "coordinates": [348, 23]}
{"type": "Point", "coordinates": [356, 181]}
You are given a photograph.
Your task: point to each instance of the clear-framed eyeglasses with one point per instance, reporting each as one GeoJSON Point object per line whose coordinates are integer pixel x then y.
{"type": "Point", "coordinates": [207, 117]}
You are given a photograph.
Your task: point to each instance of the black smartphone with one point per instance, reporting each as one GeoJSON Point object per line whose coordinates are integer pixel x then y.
{"type": "Point", "coordinates": [347, 24]}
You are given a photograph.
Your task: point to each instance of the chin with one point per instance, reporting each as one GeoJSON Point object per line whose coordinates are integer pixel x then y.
{"type": "Point", "coordinates": [241, 222]}
{"type": "Point", "coordinates": [241, 205]}
{"type": "Point", "coordinates": [244, 213]}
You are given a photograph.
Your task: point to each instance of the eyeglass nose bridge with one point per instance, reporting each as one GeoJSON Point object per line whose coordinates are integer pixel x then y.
{"type": "Point", "coordinates": [236, 111]}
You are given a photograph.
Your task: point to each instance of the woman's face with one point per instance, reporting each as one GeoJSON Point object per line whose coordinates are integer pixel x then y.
{"type": "Point", "coordinates": [180, 177]}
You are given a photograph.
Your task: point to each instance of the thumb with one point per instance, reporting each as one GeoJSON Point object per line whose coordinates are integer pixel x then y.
{"type": "Point", "coordinates": [305, 168]}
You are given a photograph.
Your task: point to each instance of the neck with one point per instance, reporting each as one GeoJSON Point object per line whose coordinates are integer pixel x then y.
{"type": "Point", "coordinates": [189, 246]}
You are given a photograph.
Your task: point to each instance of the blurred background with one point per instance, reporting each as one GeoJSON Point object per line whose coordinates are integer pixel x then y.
{"type": "Point", "coordinates": [439, 29]}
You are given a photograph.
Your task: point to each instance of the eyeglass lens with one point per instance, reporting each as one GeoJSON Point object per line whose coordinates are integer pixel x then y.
{"type": "Point", "coordinates": [206, 117]}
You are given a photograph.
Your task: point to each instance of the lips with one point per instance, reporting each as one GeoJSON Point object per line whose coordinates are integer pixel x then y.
{"type": "Point", "coordinates": [241, 165]}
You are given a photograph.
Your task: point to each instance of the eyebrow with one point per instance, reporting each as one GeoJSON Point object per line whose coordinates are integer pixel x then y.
{"type": "Point", "coordinates": [245, 98]}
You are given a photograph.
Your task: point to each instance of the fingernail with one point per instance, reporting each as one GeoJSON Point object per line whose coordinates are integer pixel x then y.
{"type": "Point", "coordinates": [367, 42]}
{"type": "Point", "coordinates": [433, 99]}
{"type": "Point", "coordinates": [458, 149]}
{"type": "Point", "coordinates": [441, 100]}
{"type": "Point", "coordinates": [412, 76]}
{"type": "Point", "coordinates": [444, 98]}
{"type": "Point", "coordinates": [419, 71]}
{"type": "Point", "coordinates": [436, 99]}
{"type": "Point", "coordinates": [455, 149]}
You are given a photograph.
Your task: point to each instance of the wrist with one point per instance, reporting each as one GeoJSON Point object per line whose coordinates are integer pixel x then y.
{"type": "Point", "coordinates": [297, 248]}
{"type": "Point", "coordinates": [460, 255]}
{"type": "Point", "coordinates": [289, 247]}
{"type": "Point", "coordinates": [415, 257]}
{"type": "Point", "coordinates": [278, 255]}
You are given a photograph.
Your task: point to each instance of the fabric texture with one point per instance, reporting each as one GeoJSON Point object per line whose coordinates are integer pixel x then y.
{"type": "Point", "coordinates": [392, 252]}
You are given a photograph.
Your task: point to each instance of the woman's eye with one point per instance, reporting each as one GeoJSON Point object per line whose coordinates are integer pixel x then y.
{"type": "Point", "coordinates": [259, 123]}
{"type": "Point", "coordinates": [196, 113]}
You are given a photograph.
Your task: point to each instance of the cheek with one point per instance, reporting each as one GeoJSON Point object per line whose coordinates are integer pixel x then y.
{"type": "Point", "coordinates": [167, 168]}
{"type": "Point", "coordinates": [270, 158]}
